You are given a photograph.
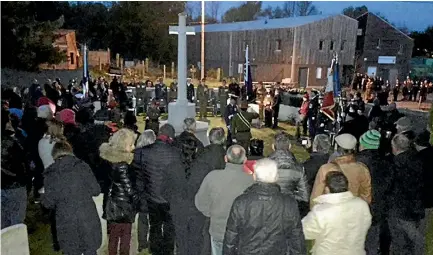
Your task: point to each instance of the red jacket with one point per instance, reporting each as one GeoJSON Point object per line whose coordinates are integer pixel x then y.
{"type": "Point", "coordinates": [304, 107]}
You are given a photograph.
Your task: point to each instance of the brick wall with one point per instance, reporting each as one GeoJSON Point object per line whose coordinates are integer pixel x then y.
{"type": "Point", "coordinates": [95, 56]}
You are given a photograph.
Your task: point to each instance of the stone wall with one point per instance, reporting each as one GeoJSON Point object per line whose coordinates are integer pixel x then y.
{"type": "Point", "coordinates": [12, 78]}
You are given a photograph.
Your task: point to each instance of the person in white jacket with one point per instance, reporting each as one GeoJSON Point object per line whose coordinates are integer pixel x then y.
{"type": "Point", "coordinates": [339, 221]}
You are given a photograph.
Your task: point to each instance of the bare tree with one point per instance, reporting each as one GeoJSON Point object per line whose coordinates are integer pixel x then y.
{"type": "Point", "coordinates": [289, 8]}
{"type": "Point", "coordinates": [213, 9]}
{"type": "Point", "coordinates": [305, 8]}
{"type": "Point", "coordinates": [193, 9]}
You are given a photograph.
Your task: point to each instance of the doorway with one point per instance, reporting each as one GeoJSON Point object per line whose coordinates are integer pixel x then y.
{"type": "Point", "coordinates": [303, 77]}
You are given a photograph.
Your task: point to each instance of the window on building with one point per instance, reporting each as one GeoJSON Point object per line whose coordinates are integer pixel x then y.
{"type": "Point", "coordinates": [342, 45]}
{"type": "Point", "coordinates": [321, 45]}
{"type": "Point", "coordinates": [400, 51]}
{"type": "Point", "coordinates": [359, 33]}
{"type": "Point", "coordinates": [331, 45]}
{"type": "Point", "coordinates": [319, 73]}
{"type": "Point", "coordinates": [72, 57]}
{"type": "Point", "coordinates": [278, 45]}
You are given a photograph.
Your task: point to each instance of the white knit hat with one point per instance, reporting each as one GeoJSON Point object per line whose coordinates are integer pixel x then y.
{"type": "Point", "coordinates": [346, 141]}
{"type": "Point", "coordinates": [45, 112]}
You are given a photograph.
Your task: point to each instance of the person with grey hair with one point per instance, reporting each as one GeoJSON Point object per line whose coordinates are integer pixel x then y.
{"type": "Point", "coordinates": [319, 156]}
{"type": "Point", "coordinates": [218, 191]}
{"type": "Point", "coordinates": [292, 178]}
{"type": "Point", "coordinates": [146, 138]}
{"type": "Point", "coordinates": [187, 142]}
{"type": "Point", "coordinates": [263, 220]}
{"type": "Point", "coordinates": [406, 208]}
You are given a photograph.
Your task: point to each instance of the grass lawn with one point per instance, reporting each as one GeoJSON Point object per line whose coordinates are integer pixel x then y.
{"type": "Point", "coordinates": [38, 223]}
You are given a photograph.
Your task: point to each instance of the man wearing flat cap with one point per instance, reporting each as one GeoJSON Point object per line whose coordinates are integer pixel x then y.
{"type": "Point", "coordinates": [240, 127]}
{"type": "Point", "coordinates": [357, 173]}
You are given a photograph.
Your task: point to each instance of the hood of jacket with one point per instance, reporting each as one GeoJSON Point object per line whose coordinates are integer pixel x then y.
{"type": "Point", "coordinates": [285, 160]}
{"type": "Point", "coordinates": [112, 155]}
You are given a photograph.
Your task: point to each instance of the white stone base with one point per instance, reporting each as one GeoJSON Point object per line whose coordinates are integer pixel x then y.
{"type": "Point", "coordinates": [286, 112]}
{"type": "Point", "coordinates": [14, 240]}
{"type": "Point", "coordinates": [178, 112]}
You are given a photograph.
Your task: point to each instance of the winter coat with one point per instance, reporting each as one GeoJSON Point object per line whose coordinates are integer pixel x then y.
{"type": "Point", "coordinates": [357, 174]}
{"type": "Point", "coordinates": [338, 224]}
{"type": "Point", "coordinates": [264, 221]}
{"type": "Point", "coordinates": [304, 108]}
{"type": "Point", "coordinates": [291, 175]}
{"type": "Point", "coordinates": [69, 187]}
{"type": "Point", "coordinates": [189, 144]}
{"type": "Point", "coordinates": [217, 193]}
{"type": "Point", "coordinates": [312, 165]}
{"type": "Point", "coordinates": [381, 180]}
{"type": "Point", "coordinates": [121, 199]}
{"type": "Point", "coordinates": [14, 170]}
{"type": "Point", "coordinates": [407, 188]}
{"type": "Point", "coordinates": [427, 159]}
{"type": "Point", "coordinates": [149, 163]}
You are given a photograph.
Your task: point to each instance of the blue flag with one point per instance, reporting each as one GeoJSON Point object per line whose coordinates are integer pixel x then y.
{"type": "Point", "coordinates": [247, 75]}
{"type": "Point", "coordinates": [336, 78]}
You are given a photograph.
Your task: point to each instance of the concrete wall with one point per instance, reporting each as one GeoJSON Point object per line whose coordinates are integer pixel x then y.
{"type": "Point", "coordinates": [12, 78]}
{"type": "Point", "coordinates": [95, 55]}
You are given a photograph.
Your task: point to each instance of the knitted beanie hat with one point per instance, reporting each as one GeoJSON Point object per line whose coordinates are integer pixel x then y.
{"type": "Point", "coordinates": [370, 139]}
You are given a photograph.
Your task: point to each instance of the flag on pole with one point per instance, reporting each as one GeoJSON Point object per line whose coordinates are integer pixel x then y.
{"type": "Point", "coordinates": [85, 72]}
{"type": "Point", "coordinates": [247, 75]}
{"type": "Point", "coordinates": [333, 89]}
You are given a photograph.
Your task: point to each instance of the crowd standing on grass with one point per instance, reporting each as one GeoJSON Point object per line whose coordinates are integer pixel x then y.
{"type": "Point", "coordinates": [372, 195]}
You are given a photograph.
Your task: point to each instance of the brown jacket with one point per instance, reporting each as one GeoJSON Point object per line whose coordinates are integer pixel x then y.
{"type": "Point", "coordinates": [356, 172]}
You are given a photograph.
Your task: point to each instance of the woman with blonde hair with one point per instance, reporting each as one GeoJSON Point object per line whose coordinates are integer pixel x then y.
{"type": "Point", "coordinates": [45, 146]}
{"type": "Point", "coordinates": [121, 200]}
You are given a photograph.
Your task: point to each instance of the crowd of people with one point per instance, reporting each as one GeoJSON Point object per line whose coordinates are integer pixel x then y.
{"type": "Point", "coordinates": [371, 195]}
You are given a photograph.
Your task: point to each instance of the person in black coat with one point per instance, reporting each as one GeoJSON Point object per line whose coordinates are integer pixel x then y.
{"type": "Point", "coordinates": [276, 107]}
{"type": "Point", "coordinates": [188, 143]}
{"type": "Point", "coordinates": [230, 112]}
{"type": "Point", "coordinates": [425, 153]}
{"type": "Point", "coordinates": [121, 200]}
{"type": "Point", "coordinates": [263, 220]}
{"type": "Point", "coordinates": [149, 164]}
{"type": "Point", "coordinates": [406, 200]}
{"type": "Point", "coordinates": [191, 226]}
{"type": "Point", "coordinates": [69, 186]}
{"type": "Point", "coordinates": [381, 180]}
{"type": "Point", "coordinates": [319, 156]}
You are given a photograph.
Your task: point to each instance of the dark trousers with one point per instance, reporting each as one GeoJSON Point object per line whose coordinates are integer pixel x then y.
{"type": "Point", "coordinates": [56, 246]}
{"type": "Point", "coordinates": [377, 241]}
{"type": "Point", "coordinates": [406, 237]}
{"type": "Point", "coordinates": [119, 232]}
{"type": "Point", "coordinates": [143, 231]}
{"type": "Point", "coordinates": [161, 230]}
{"type": "Point", "coordinates": [268, 118]}
{"type": "Point", "coordinates": [189, 234]}
{"type": "Point", "coordinates": [275, 124]}
{"type": "Point", "coordinates": [206, 248]}
{"type": "Point", "coordinates": [312, 127]}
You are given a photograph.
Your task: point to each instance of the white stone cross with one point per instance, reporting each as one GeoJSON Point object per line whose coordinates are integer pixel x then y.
{"type": "Point", "coordinates": [182, 31]}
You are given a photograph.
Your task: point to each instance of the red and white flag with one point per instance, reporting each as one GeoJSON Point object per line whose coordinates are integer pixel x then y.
{"type": "Point", "coordinates": [332, 89]}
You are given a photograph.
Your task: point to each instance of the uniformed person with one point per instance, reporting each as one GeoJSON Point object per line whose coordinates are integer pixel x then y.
{"type": "Point", "coordinates": [172, 95]}
{"type": "Point", "coordinates": [276, 106]}
{"type": "Point", "coordinates": [152, 119]}
{"type": "Point", "coordinates": [229, 113]}
{"type": "Point", "coordinates": [260, 98]}
{"type": "Point", "coordinates": [222, 97]}
{"type": "Point", "coordinates": [312, 114]}
{"type": "Point", "coordinates": [235, 89]}
{"type": "Point", "coordinates": [241, 126]}
{"type": "Point", "coordinates": [190, 93]}
{"type": "Point", "coordinates": [202, 96]}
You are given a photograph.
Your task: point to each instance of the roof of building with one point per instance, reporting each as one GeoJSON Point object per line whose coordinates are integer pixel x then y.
{"type": "Point", "coordinates": [391, 25]}
{"type": "Point", "coordinates": [263, 24]}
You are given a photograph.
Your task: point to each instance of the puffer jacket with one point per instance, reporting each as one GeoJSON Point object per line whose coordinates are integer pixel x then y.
{"type": "Point", "coordinates": [292, 178]}
{"type": "Point", "coordinates": [14, 169]}
{"type": "Point", "coordinates": [264, 221]}
{"type": "Point", "coordinates": [149, 163]}
{"type": "Point", "coordinates": [121, 199]}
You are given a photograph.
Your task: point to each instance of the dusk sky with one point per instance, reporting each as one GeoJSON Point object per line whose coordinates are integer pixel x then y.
{"type": "Point", "coordinates": [416, 16]}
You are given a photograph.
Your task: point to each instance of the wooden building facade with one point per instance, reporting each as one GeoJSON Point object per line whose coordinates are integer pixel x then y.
{"type": "Point", "coordinates": [382, 50]}
{"type": "Point", "coordinates": [271, 46]}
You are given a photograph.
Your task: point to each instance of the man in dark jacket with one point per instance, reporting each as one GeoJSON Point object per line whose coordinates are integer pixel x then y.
{"type": "Point", "coordinates": [320, 155]}
{"type": "Point", "coordinates": [150, 162]}
{"type": "Point", "coordinates": [13, 177]}
{"type": "Point", "coordinates": [425, 154]}
{"type": "Point", "coordinates": [406, 208]}
{"type": "Point", "coordinates": [229, 113]}
{"type": "Point", "coordinates": [263, 220]}
{"type": "Point", "coordinates": [381, 180]}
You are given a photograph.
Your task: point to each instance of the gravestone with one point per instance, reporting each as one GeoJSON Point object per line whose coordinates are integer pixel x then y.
{"type": "Point", "coordinates": [14, 240]}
